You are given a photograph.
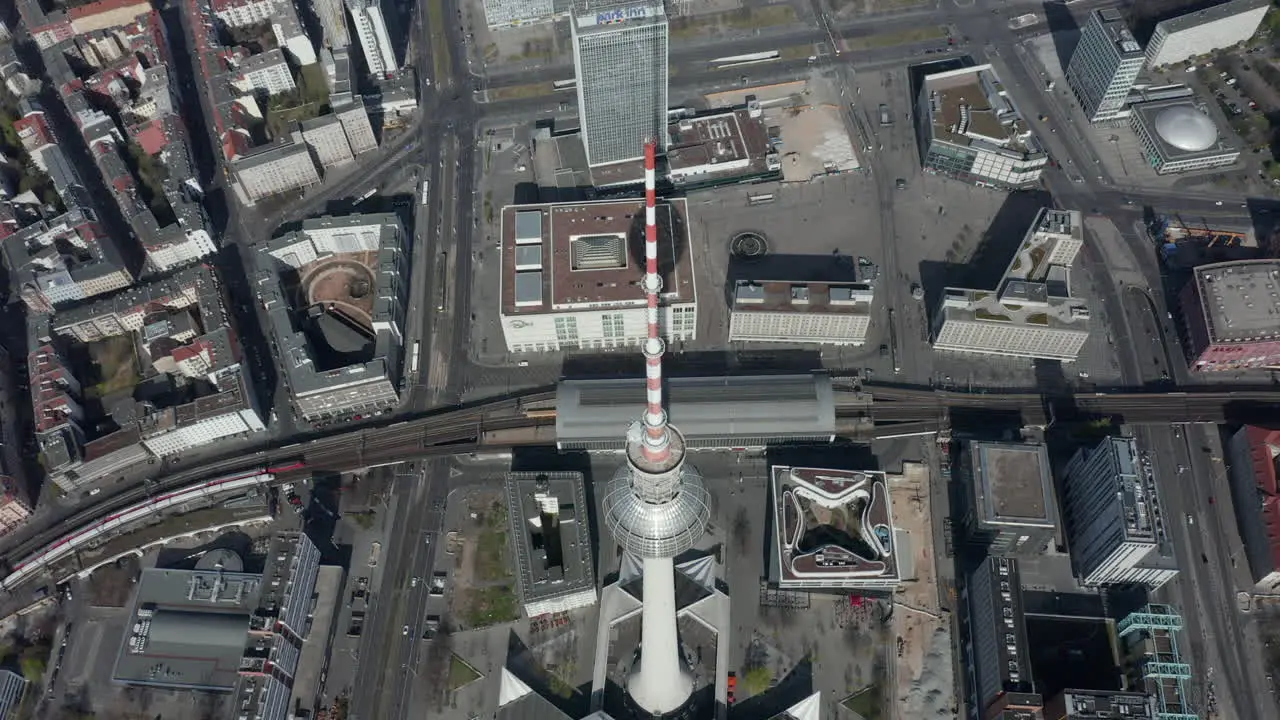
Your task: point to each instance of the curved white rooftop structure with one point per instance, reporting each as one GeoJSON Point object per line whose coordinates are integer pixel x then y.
{"type": "Point", "coordinates": [1186, 128]}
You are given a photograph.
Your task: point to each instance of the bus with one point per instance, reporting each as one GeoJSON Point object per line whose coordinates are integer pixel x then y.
{"type": "Point", "coordinates": [426, 191]}
{"type": "Point", "coordinates": [365, 196]}
{"type": "Point", "coordinates": [565, 84]}
{"type": "Point", "coordinates": [442, 273]}
{"type": "Point", "coordinates": [761, 199]}
{"type": "Point", "coordinates": [413, 359]}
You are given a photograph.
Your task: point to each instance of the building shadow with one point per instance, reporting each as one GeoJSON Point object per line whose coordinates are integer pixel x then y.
{"type": "Point", "coordinates": [1064, 30]}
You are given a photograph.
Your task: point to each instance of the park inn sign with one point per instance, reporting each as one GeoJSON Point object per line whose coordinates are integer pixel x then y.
{"type": "Point", "coordinates": [616, 15]}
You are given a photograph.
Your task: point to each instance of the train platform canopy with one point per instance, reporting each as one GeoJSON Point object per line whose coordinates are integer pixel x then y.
{"type": "Point", "coordinates": [747, 411]}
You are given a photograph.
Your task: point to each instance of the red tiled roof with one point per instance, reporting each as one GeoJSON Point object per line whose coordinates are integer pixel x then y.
{"type": "Point", "coordinates": [150, 136]}
{"type": "Point", "coordinates": [1262, 442]}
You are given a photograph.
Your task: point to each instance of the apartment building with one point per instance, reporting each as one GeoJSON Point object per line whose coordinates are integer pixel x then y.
{"type": "Point", "coordinates": [63, 260]}
{"type": "Point", "coordinates": [333, 22]}
{"type": "Point", "coordinates": [290, 34]}
{"type": "Point", "coordinates": [1011, 510]}
{"type": "Point", "coordinates": [355, 123]}
{"type": "Point", "coordinates": [266, 72]}
{"type": "Point", "coordinates": [327, 140]}
{"type": "Point", "coordinates": [371, 30]}
{"type": "Point", "coordinates": [1204, 31]}
{"type": "Point", "coordinates": [240, 13]}
{"type": "Point", "coordinates": [1032, 311]}
{"type": "Point", "coordinates": [996, 648]}
{"type": "Point", "coordinates": [1232, 315]}
{"type": "Point", "coordinates": [1113, 517]}
{"type": "Point", "coordinates": [274, 169]}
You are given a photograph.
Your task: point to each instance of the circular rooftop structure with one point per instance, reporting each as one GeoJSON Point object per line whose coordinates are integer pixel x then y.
{"type": "Point", "coordinates": [1186, 128]}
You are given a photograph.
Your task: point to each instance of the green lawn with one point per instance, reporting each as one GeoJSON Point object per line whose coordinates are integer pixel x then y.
{"type": "Point", "coordinates": [904, 37]}
{"type": "Point", "coordinates": [439, 42]}
{"type": "Point", "coordinates": [866, 703]}
{"type": "Point", "coordinates": [491, 606]}
{"type": "Point", "coordinates": [460, 673]}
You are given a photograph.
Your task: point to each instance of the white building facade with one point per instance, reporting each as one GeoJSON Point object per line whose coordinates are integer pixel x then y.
{"type": "Point", "coordinates": [240, 13]}
{"type": "Point", "coordinates": [500, 14]}
{"type": "Point", "coordinates": [371, 29]}
{"type": "Point", "coordinates": [180, 249]}
{"type": "Point", "coordinates": [328, 141]}
{"type": "Point", "coordinates": [1113, 517]}
{"type": "Point", "coordinates": [355, 123]}
{"type": "Point", "coordinates": [585, 327]}
{"type": "Point", "coordinates": [825, 313]}
{"type": "Point", "coordinates": [276, 171]}
{"type": "Point", "coordinates": [268, 72]}
{"type": "Point", "coordinates": [1199, 33]}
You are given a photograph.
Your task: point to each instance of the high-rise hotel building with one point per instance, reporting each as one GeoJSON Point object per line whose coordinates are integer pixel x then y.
{"type": "Point", "coordinates": [620, 62]}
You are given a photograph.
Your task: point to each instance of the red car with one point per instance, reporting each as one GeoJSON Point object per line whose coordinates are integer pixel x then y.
{"type": "Point", "coordinates": [732, 686]}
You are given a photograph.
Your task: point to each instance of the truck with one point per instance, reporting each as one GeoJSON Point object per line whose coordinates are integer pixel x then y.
{"type": "Point", "coordinates": [886, 118]}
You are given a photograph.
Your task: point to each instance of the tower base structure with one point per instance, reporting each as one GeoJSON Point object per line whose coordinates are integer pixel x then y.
{"type": "Point", "coordinates": [658, 684]}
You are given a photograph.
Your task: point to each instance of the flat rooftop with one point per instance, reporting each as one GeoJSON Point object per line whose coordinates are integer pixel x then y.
{"type": "Point", "coordinates": [832, 527]}
{"type": "Point", "coordinates": [188, 629]}
{"type": "Point", "coordinates": [597, 412]}
{"type": "Point", "coordinates": [1240, 300]}
{"type": "Point", "coordinates": [1036, 287]}
{"type": "Point", "coordinates": [551, 533]}
{"type": "Point", "coordinates": [970, 106]}
{"type": "Point", "coordinates": [1117, 32]}
{"type": "Point", "coordinates": [803, 297]}
{"type": "Point", "coordinates": [730, 139]}
{"type": "Point", "coordinates": [1013, 483]}
{"type": "Point", "coordinates": [1212, 14]}
{"type": "Point", "coordinates": [1221, 140]}
{"type": "Point", "coordinates": [573, 256]}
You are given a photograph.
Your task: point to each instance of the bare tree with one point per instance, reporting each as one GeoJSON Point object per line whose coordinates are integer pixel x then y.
{"type": "Point", "coordinates": [438, 661]}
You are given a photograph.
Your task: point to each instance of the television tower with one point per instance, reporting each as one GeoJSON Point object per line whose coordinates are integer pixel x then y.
{"type": "Point", "coordinates": [656, 507]}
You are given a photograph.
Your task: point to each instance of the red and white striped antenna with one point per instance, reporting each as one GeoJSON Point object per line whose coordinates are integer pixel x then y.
{"type": "Point", "coordinates": [657, 440]}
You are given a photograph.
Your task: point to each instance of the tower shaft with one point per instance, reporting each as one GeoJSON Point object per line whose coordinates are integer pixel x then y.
{"type": "Point", "coordinates": [663, 683]}
{"type": "Point", "coordinates": [657, 441]}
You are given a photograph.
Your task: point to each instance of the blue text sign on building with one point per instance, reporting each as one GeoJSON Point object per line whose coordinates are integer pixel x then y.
{"type": "Point", "coordinates": [621, 14]}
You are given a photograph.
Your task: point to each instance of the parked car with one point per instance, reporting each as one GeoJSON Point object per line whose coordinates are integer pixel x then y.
{"type": "Point", "coordinates": [731, 687]}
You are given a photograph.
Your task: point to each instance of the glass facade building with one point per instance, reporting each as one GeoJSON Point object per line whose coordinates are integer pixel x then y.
{"type": "Point", "coordinates": [620, 61]}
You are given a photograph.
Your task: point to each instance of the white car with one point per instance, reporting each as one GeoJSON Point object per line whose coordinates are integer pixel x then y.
{"type": "Point", "coordinates": [1190, 520]}
{"type": "Point", "coordinates": [405, 631]}
{"type": "Point", "coordinates": [415, 582]}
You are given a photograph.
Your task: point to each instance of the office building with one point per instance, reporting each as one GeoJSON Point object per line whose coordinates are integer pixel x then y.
{"type": "Point", "coordinates": [1184, 135]}
{"type": "Point", "coordinates": [801, 312]}
{"type": "Point", "coordinates": [832, 529]}
{"type": "Point", "coordinates": [620, 61]}
{"type": "Point", "coordinates": [218, 628]}
{"type": "Point", "coordinates": [551, 540]}
{"type": "Point", "coordinates": [720, 148]}
{"type": "Point", "coordinates": [1104, 65]}
{"type": "Point", "coordinates": [1073, 704]}
{"type": "Point", "coordinates": [327, 140]}
{"type": "Point", "coordinates": [656, 507]}
{"type": "Point", "coordinates": [499, 14]}
{"type": "Point", "coordinates": [355, 123]}
{"type": "Point", "coordinates": [342, 350]}
{"type": "Point", "coordinates": [13, 688]}
{"type": "Point", "coordinates": [1204, 31]}
{"type": "Point", "coordinates": [333, 22]}
{"type": "Point", "coordinates": [1255, 492]}
{"type": "Point", "coordinates": [568, 275]}
{"type": "Point", "coordinates": [371, 30]}
{"type": "Point", "coordinates": [996, 650]}
{"type": "Point", "coordinates": [970, 129]}
{"type": "Point", "coordinates": [1032, 311]}
{"type": "Point", "coordinates": [1232, 315]}
{"type": "Point", "coordinates": [274, 169]}
{"type": "Point", "coordinates": [1113, 517]}
{"type": "Point", "coordinates": [1011, 509]}
{"type": "Point", "coordinates": [1151, 658]}
{"type": "Point", "coordinates": [266, 72]}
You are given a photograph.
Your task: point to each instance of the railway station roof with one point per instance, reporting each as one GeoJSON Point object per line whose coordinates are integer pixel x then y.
{"type": "Point", "coordinates": [592, 413]}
